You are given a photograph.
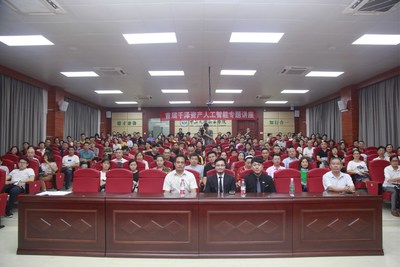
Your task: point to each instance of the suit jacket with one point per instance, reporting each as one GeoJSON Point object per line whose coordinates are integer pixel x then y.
{"type": "Point", "coordinates": [266, 181]}
{"type": "Point", "coordinates": [212, 183]}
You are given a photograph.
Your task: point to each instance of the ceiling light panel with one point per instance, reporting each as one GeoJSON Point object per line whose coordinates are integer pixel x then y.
{"type": "Point", "coordinates": [179, 102]}
{"type": "Point", "coordinates": [223, 102]}
{"type": "Point", "coordinates": [294, 91]}
{"type": "Point", "coordinates": [378, 39]}
{"type": "Point", "coordinates": [238, 72]}
{"type": "Point", "coordinates": [126, 102]}
{"type": "Point", "coordinates": [166, 73]}
{"type": "Point", "coordinates": [255, 37]}
{"type": "Point", "coordinates": [276, 102]}
{"type": "Point", "coordinates": [324, 73]}
{"type": "Point", "coordinates": [108, 92]}
{"type": "Point", "coordinates": [228, 91]}
{"type": "Point", "coordinates": [174, 91]}
{"type": "Point", "coordinates": [25, 40]}
{"type": "Point", "coordinates": [150, 38]}
{"type": "Point", "coordinates": [79, 73]}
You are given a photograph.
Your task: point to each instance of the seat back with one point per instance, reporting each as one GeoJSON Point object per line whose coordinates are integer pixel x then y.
{"type": "Point", "coordinates": [287, 173]}
{"type": "Point", "coordinates": [12, 157]}
{"type": "Point", "coordinates": [238, 164]}
{"type": "Point", "coordinates": [9, 163]}
{"type": "Point", "coordinates": [2, 179]}
{"type": "Point", "coordinates": [282, 180]}
{"type": "Point", "coordinates": [314, 180]}
{"type": "Point", "coordinates": [376, 169]}
{"type": "Point", "coordinates": [244, 173]}
{"type": "Point", "coordinates": [294, 164]}
{"type": "Point", "coordinates": [86, 181]}
{"type": "Point", "coordinates": [119, 181]}
{"type": "Point", "coordinates": [151, 181]}
{"type": "Point", "coordinates": [197, 176]}
{"type": "Point", "coordinates": [3, 203]}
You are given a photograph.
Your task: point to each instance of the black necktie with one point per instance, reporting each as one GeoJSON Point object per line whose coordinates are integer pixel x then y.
{"type": "Point", "coordinates": [258, 185]}
{"type": "Point", "coordinates": [220, 184]}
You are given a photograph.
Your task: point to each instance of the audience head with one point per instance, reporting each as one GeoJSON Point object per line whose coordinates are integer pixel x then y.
{"type": "Point", "coordinates": [257, 165]}
{"type": "Point", "coordinates": [220, 165]}
{"type": "Point", "coordinates": [304, 163]}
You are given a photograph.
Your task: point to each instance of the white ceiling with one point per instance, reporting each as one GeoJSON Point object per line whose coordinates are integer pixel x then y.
{"type": "Point", "coordinates": [317, 34]}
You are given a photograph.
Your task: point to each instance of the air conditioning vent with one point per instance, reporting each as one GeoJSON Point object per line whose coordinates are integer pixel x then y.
{"type": "Point", "coordinates": [143, 97]}
{"type": "Point", "coordinates": [295, 70]}
{"type": "Point", "coordinates": [110, 71]}
{"type": "Point", "coordinates": [371, 7]}
{"type": "Point", "coordinates": [36, 7]}
{"type": "Point", "coordinates": [263, 97]}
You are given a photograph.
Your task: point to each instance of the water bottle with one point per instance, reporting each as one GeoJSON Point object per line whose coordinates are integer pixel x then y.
{"type": "Point", "coordinates": [242, 188]}
{"type": "Point", "coordinates": [182, 188]}
{"type": "Point", "coordinates": [291, 187]}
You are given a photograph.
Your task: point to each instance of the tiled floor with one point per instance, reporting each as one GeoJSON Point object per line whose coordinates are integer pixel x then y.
{"type": "Point", "coordinates": [391, 237]}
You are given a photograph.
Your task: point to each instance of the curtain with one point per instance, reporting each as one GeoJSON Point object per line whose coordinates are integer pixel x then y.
{"type": "Point", "coordinates": [325, 118]}
{"type": "Point", "coordinates": [80, 118]}
{"type": "Point", "coordinates": [379, 107]}
{"type": "Point", "coordinates": [22, 113]}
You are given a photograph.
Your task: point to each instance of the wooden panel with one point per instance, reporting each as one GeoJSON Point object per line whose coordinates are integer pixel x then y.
{"type": "Point", "coordinates": [61, 226]}
{"type": "Point", "coordinates": [150, 227]}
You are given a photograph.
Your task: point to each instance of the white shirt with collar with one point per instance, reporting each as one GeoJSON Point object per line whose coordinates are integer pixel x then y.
{"type": "Point", "coordinates": [329, 179]}
{"type": "Point", "coordinates": [271, 170]}
{"type": "Point", "coordinates": [389, 174]}
{"type": "Point", "coordinates": [172, 182]}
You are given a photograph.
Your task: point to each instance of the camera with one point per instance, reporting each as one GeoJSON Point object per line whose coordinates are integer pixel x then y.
{"type": "Point", "coordinates": [201, 131]}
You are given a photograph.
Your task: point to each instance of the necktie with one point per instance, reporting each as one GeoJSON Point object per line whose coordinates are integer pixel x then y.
{"type": "Point", "coordinates": [220, 185]}
{"type": "Point", "coordinates": [258, 185]}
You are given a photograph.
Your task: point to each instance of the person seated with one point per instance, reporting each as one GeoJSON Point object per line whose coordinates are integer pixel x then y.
{"type": "Point", "coordinates": [220, 182]}
{"type": "Point", "coordinates": [277, 150]}
{"type": "Point", "coordinates": [47, 170]}
{"type": "Point", "coordinates": [276, 165]}
{"type": "Point", "coordinates": [105, 167]}
{"type": "Point", "coordinates": [42, 148]}
{"type": "Point", "coordinates": [2, 167]}
{"type": "Point", "coordinates": [30, 154]}
{"type": "Point", "coordinates": [14, 150]}
{"type": "Point", "coordinates": [118, 158]}
{"type": "Point", "coordinates": [265, 154]}
{"type": "Point", "coordinates": [86, 155]}
{"type": "Point", "coordinates": [246, 166]}
{"type": "Point", "coordinates": [194, 164]}
{"type": "Point", "coordinates": [167, 154]}
{"type": "Point", "coordinates": [211, 156]}
{"type": "Point", "coordinates": [160, 164]}
{"type": "Point", "coordinates": [258, 181]}
{"type": "Point", "coordinates": [16, 181]}
{"type": "Point", "coordinates": [69, 163]}
{"type": "Point", "coordinates": [322, 155]}
{"type": "Point", "coordinates": [392, 182]}
{"type": "Point", "coordinates": [125, 153]}
{"type": "Point", "coordinates": [358, 168]}
{"type": "Point", "coordinates": [308, 151]}
{"type": "Point", "coordinates": [132, 164]}
{"type": "Point", "coordinates": [337, 181]}
{"type": "Point", "coordinates": [381, 153]}
{"type": "Point", "coordinates": [174, 179]}
{"type": "Point", "coordinates": [292, 157]}
{"type": "Point", "coordinates": [154, 151]}
{"type": "Point", "coordinates": [140, 157]}
{"type": "Point", "coordinates": [304, 168]}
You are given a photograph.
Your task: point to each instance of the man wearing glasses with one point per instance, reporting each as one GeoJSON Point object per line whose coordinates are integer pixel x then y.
{"type": "Point", "coordinates": [15, 183]}
{"type": "Point", "coordinates": [392, 183]}
{"type": "Point", "coordinates": [220, 182]}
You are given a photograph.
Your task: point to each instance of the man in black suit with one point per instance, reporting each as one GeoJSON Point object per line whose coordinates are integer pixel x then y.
{"type": "Point", "coordinates": [258, 181]}
{"type": "Point", "coordinates": [220, 182]}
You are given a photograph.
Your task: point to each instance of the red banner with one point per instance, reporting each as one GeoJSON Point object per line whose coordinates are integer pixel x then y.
{"type": "Point", "coordinates": [208, 115]}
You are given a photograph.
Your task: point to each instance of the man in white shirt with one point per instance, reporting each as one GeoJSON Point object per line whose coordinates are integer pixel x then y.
{"type": "Point", "coordinates": [194, 164]}
{"type": "Point", "coordinates": [69, 163]}
{"type": "Point", "coordinates": [292, 157]}
{"type": "Point", "coordinates": [173, 179]}
{"type": "Point", "coordinates": [15, 183]}
{"type": "Point", "coordinates": [337, 181]}
{"type": "Point", "coordinates": [391, 183]}
{"type": "Point", "coordinates": [381, 154]}
{"type": "Point", "coordinates": [118, 158]}
{"type": "Point", "coordinates": [276, 160]}
{"type": "Point", "coordinates": [309, 150]}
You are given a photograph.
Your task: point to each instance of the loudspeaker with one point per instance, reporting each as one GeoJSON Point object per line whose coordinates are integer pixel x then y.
{"type": "Point", "coordinates": [342, 105]}
{"type": "Point", "coordinates": [63, 105]}
{"type": "Point", "coordinates": [108, 114]}
{"type": "Point", "coordinates": [297, 113]}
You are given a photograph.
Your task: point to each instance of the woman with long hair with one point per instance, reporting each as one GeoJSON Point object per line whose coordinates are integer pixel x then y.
{"type": "Point", "coordinates": [47, 169]}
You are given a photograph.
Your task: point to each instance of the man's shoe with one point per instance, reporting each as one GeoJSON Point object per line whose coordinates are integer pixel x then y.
{"type": "Point", "coordinates": [9, 214]}
{"type": "Point", "coordinates": [395, 213]}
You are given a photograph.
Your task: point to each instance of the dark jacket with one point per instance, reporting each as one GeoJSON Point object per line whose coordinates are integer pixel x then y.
{"type": "Point", "coordinates": [266, 181]}
{"type": "Point", "coordinates": [212, 184]}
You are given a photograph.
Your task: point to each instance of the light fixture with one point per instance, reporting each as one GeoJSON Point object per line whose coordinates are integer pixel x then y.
{"type": "Point", "coordinates": [174, 91]}
{"type": "Point", "coordinates": [238, 72]}
{"type": "Point", "coordinates": [378, 39]}
{"type": "Point", "coordinates": [179, 102]}
{"type": "Point", "coordinates": [166, 73]}
{"type": "Point", "coordinates": [108, 92]}
{"type": "Point", "coordinates": [324, 73]}
{"type": "Point", "coordinates": [228, 91]}
{"type": "Point", "coordinates": [256, 37]}
{"type": "Point", "coordinates": [79, 73]}
{"type": "Point", "coordinates": [294, 91]}
{"type": "Point", "coordinates": [276, 102]}
{"type": "Point", "coordinates": [223, 102]}
{"type": "Point", "coordinates": [150, 38]}
{"type": "Point", "coordinates": [25, 40]}
{"type": "Point", "coordinates": [126, 102]}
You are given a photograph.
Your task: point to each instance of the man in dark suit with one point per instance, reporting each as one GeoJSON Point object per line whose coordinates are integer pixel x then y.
{"type": "Point", "coordinates": [258, 181]}
{"type": "Point", "coordinates": [220, 182]}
